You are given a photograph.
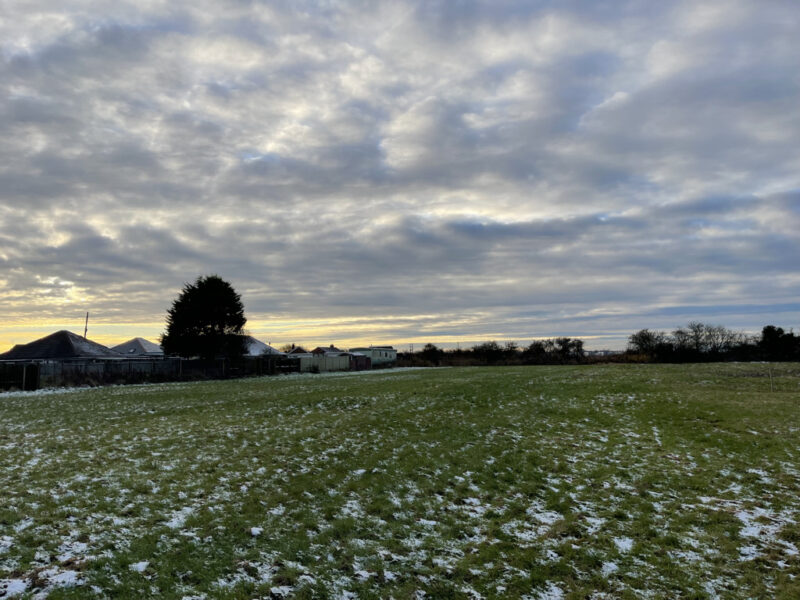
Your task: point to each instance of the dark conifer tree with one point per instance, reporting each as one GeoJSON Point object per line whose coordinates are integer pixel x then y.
{"type": "Point", "coordinates": [206, 320]}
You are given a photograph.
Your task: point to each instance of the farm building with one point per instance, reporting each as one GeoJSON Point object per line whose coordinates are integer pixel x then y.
{"type": "Point", "coordinates": [61, 345]}
{"type": "Point", "coordinates": [139, 348]}
{"type": "Point", "coordinates": [380, 356]}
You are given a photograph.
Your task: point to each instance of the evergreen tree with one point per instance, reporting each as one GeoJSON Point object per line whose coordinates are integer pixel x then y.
{"type": "Point", "coordinates": [207, 320]}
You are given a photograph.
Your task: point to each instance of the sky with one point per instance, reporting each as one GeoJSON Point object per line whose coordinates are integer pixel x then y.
{"type": "Point", "coordinates": [401, 172]}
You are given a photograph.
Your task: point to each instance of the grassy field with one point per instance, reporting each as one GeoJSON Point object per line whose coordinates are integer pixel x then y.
{"type": "Point", "coordinates": [612, 481]}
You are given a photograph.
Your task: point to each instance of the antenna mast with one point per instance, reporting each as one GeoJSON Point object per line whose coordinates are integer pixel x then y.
{"type": "Point", "coordinates": [86, 326]}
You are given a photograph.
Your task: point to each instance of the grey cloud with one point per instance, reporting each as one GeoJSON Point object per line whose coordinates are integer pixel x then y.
{"type": "Point", "coordinates": [465, 160]}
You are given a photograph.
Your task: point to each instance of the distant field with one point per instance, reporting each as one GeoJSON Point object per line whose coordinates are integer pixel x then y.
{"type": "Point", "coordinates": [613, 481]}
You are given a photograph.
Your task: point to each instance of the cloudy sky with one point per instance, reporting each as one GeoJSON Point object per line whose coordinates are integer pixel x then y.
{"type": "Point", "coordinates": [398, 172]}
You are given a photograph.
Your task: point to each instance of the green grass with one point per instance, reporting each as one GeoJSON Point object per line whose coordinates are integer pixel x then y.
{"type": "Point", "coordinates": [612, 481]}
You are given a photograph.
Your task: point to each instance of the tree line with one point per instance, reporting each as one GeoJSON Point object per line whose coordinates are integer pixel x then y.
{"type": "Point", "coordinates": [694, 342]}
{"type": "Point", "coordinates": [699, 342]}
{"type": "Point", "coordinates": [207, 320]}
{"type": "Point", "coordinates": [562, 350]}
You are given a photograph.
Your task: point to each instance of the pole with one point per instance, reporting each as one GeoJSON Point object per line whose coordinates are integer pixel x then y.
{"type": "Point", "coordinates": [86, 326]}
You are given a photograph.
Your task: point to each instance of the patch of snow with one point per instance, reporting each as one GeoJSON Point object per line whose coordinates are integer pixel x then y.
{"type": "Point", "coordinates": [5, 544]}
{"type": "Point", "coordinates": [178, 518]}
{"type": "Point", "coordinates": [747, 553]}
{"type": "Point", "coordinates": [548, 517]}
{"type": "Point", "coordinates": [765, 478]}
{"type": "Point", "coordinates": [552, 592]}
{"type": "Point", "coordinates": [12, 587]}
{"type": "Point", "coordinates": [352, 508]}
{"type": "Point", "coordinates": [623, 544]}
{"type": "Point", "coordinates": [789, 548]}
{"type": "Point", "coordinates": [595, 523]}
{"type": "Point", "coordinates": [256, 531]}
{"type": "Point", "coordinates": [140, 566]}
{"type": "Point", "coordinates": [61, 578]}
{"type": "Point", "coordinates": [23, 525]}
{"type": "Point", "coordinates": [281, 590]}
{"type": "Point", "coordinates": [710, 588]}
{"type": "Point", "coordinates": [428, 523]}
{"type": "Point", "coordinates": [609, 568]}
{"type": "Point", "coordinates": [70, 550]}
{"type": "Point", "coordinates": [686, 555]}
{"type": "Point", "coordinates": [753, 527]}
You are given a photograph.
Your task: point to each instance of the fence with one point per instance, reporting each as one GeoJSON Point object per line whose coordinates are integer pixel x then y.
{"type": "Point", "coordinates": [19, 376]}
{"type": "Point", "coordinates": [321, 364]}
{"type": "Point", "coordinates": [25, 375]}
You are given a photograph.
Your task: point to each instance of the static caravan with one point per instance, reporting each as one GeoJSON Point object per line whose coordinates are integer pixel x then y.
{"type": "Point", "coordinates": [381, 356]}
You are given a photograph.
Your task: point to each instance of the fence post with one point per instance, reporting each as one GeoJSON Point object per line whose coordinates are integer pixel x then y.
{"type": "Point", "coordinates": [24, 369]}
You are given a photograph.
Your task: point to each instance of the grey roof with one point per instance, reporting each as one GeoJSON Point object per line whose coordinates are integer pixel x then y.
{"type": "Point", "coordinates": [139, 347]}
{"type": "Point", "coordinates": [59, 345]}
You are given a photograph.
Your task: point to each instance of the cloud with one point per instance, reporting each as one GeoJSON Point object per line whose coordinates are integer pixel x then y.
{"type": "Point", "coordinates": [445, 169]}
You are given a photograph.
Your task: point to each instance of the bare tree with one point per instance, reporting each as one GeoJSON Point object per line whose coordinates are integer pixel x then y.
{"type": "Point", "coordinates": [646, 342]}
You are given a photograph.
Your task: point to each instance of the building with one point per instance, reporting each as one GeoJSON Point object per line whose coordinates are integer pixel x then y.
{"type": "Point", "coordinates": [359, 361]}
{"type": "Point", "coordinates": [139, 347]}
{"type": "Point", "coordinates": [327, 350]}
{"type": "Point", "coordinates": [61, 345]}
{"type": "Point", "coordinates": [380, 356]}
{"type": "Point", "coordinates": [323, 363]}
{"type": "Point", "coordinates": [258, 348]}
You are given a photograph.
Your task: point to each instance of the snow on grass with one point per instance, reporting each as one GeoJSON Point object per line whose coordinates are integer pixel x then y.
{"type": "Point", "coordinates": [12, 587]}
{"type": "Point", "coordinates": [644, 481]}
{"type": "Point", "coordinates": [623, 544]}
{"type": "Point", "coordinates": [140, 566]}
{"type": "Point", "coordinates": [551, 592]}
{"type": "Point", "coordinates": [609, 568]}
{"type": "Point", "coordinates": [178, 518]}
